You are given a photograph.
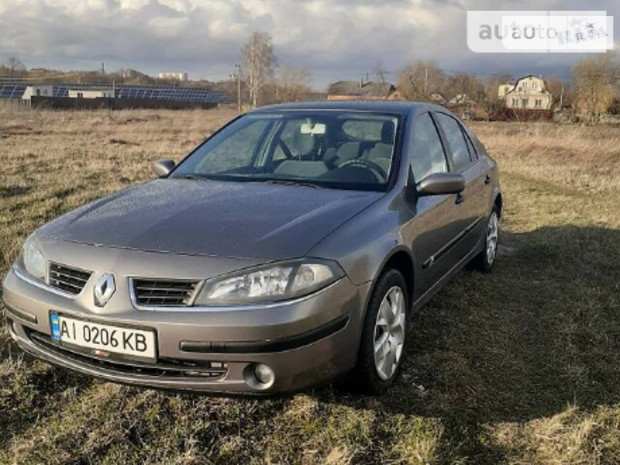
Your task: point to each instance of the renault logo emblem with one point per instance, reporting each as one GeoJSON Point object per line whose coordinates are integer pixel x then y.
{"type": "Point", "coordinates": [104, 289]}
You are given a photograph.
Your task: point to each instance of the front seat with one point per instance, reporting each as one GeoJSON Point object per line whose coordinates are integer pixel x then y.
{"type": "Point", "coordinates": [382, 152]}
{"type": "Point", "coordinates": [302, 146]}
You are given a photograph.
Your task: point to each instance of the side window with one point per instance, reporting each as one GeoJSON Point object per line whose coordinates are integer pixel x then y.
{"type": "Point", "coordinates": [427, 156]}
{"type": "Point", "coordinates": [473, 155]}
{"type": "Point", "coordinates": [456, 141]}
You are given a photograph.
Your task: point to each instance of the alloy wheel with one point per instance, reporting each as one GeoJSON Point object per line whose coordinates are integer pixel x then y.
{"type": "Point", "coordinates": [389, 333]}
{"type": "Point", "coordinates": [492, 236]}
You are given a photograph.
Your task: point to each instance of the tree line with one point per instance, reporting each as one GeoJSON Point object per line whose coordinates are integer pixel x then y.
{"type": "Point", "coordinates": [594, 87]}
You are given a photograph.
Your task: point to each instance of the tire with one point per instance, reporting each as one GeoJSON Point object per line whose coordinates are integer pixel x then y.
{"type": "Point", "coordinates": [370, 376]}
{"type": "Point", "coordinates": [486, 259]}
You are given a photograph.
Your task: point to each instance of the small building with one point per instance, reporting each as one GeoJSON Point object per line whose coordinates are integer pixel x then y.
{"type": "Point", "coordinates": [438, 98]}
{"type": "Point", "coordinates": [173, 76]}
{"type": "Point", "coordinates": [360, 90]}
{"type": "Point", "coordinates": [504, 89]}
{"type": "Point", "coordinates": [91, 93]}
{"type": "Point", "coordinates": [38, 90]}
{"type": "Point", "coordinates": [529, 92]}
{"type": "Point", "coordinates": [461, 99]}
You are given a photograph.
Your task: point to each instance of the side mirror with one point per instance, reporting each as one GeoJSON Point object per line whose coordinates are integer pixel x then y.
{"type": "Point", "coordinates": [163, 167]}
{"type": "Point", "coordinates": [441, 184]}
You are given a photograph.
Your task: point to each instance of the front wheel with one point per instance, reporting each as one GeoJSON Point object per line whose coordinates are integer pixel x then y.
{"type": "Point", "coordinates": [384, 334]}
{"type": "Point", "coordinates": [486, 259]}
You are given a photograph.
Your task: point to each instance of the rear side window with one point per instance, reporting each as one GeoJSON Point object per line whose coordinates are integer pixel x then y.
{"type": "Point", "coordinates": [427, 152]}
{"type": "Point", "coordinates": [456, 141]}
{"type": "Point", "coordinates": [472, 150]}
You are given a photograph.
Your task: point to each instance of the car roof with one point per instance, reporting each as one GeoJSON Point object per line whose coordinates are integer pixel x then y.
{"type": "Point", "coordinates": [384, 106]}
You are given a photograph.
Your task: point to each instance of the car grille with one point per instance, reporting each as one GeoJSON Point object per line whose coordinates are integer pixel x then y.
{"type": "Point", "coordinates": [162, 293]}
{"type": "Point", "coordinates": [67, 279]}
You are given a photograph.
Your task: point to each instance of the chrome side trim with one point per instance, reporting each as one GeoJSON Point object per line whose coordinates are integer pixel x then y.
{"type": "Point", "coordinates": [44, 286]}
{"type": "Point", "coordinates": [134, 302]}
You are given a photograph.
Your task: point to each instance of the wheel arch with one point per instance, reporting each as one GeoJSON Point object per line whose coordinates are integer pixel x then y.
{"type": "Point", "coordinates": [498, 202]}
{"type": "Point", "coordinates": [401, 260]}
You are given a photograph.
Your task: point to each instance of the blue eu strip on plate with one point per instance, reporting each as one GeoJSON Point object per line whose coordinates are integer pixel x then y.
{"type": "Point", "coordinates": [55, 327]}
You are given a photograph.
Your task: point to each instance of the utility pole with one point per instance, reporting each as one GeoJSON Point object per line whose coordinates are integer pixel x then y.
{"type": "Point", "coordinates": [561, 97]}
{"type": "Point", "coordinates": [238, 87]}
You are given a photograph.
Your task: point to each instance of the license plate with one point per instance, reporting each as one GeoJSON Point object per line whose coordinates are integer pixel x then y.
{"type": "Point", "coordinates": [103, 340]}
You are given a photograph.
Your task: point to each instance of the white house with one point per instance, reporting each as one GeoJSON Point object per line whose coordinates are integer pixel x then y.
{"type": "Point", "coordinates": [91, 93]}
{"type": "Point", "coordinates": [38, 90]}
{"type": "Point", "coordinates": [173, 76]}
{"type": "Point", "coordinates": [529, 92]}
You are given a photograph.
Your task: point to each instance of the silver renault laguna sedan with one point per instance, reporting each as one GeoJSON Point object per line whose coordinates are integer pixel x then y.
{"type": "Point", "coordinates": [291, 246]}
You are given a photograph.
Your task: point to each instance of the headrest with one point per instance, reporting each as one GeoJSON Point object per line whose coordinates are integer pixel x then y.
{"type": "Point", "coordinates": [387, 132]}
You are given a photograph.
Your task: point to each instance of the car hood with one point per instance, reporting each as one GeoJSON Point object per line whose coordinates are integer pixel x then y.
{"type": "Point", "coordinates": [200, 217]}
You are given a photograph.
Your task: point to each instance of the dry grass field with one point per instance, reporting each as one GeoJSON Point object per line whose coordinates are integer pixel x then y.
{"type": "Point", "coordinates": [518, 367]}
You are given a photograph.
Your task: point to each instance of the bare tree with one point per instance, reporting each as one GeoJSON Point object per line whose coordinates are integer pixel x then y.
{"type": "Point", "coordinates": [380, 72]}
{"type": "Point", "coordinates": [467, 85]}
{"type": "Point", "coordinates": [560, 90]}
{"type": "Point", "coordinates": [260, 62]}
{"type": "Point", "coordinates": [594, 80]}
{"type": "Point", "coordinates": [492, 103]}
{"type": "Point", "coordinates": [420, 79]}
{"type": "Point", "coordinates": [294, 84]}
{"type": "Point", "coordinates": [14, 67]}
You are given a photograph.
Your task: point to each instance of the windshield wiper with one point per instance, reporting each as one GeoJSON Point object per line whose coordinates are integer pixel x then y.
{"type": "Point", "coordinates": [191, 176]}
{"type": "Point", "coordinates": [290, 182]}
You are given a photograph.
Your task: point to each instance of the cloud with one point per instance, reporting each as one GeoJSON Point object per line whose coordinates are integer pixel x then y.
{"type": "Point", "coordinates": [332, 38]}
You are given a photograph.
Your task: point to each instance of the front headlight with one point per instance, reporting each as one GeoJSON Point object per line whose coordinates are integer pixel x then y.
{"type": "Point", "coordinates": [32, 260]}
{"type": "Point", "coordinates": [270, 283]}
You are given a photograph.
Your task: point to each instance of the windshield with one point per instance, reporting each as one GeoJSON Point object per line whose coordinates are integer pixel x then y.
{"type": "Point", "coordinates": [345, 150]}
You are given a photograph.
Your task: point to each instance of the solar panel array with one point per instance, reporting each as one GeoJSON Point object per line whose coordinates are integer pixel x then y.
{"type": "Point", "coordinates": [12, 90]}
{"type": "Point", "coordinates": [178, 94]}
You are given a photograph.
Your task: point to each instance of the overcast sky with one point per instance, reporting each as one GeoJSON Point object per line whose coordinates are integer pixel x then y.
{"type": "Point", "coordinates": [334, 39]}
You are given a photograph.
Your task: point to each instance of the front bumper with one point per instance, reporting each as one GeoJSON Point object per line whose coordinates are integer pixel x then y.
{"type": "Point", "coordinates": [305, 341]}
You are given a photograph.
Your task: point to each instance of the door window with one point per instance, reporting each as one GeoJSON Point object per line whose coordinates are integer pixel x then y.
{"type": "Point", "coordinates": [456, 141]}
{"type": "Point", "coordinates": [427, 152]}
{"type": "Point", "coordinates": [473, 155]}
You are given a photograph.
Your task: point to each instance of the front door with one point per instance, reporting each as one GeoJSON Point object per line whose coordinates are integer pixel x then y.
{"type": "Point", "coordinates": [472, 209]}
{"type": "Point", "coordinates": [434, 225]}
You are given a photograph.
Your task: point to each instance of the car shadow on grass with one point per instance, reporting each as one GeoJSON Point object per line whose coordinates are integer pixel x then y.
{"type": "Point", "coordinates": [539, 333]}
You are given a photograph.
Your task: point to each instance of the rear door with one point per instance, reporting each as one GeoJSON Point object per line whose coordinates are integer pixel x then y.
{"type": "Point", "coordinates": [472, 201]}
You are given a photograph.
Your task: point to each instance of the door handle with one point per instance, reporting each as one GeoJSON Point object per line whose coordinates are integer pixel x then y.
{"type": "Point", "coordinates": [487, 180]}
{"type": "Point", "coordinates": [460, 198]}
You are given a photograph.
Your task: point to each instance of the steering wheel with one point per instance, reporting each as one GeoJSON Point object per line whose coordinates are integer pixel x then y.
{"type": "Point", "coordinates": [372, 166]}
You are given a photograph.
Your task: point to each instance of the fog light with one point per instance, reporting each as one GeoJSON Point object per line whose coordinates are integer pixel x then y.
{"type": "Point", "coordinates": [259, 376]}
{"type": "Point", "coordinates": [264, 374]}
